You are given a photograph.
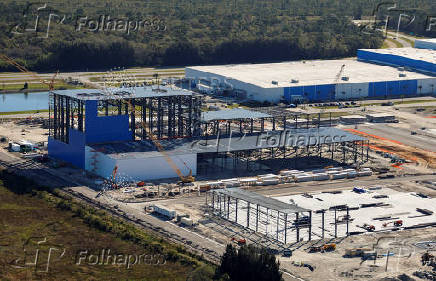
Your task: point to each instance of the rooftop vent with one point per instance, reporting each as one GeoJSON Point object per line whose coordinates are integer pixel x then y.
{"type": "Point", "coordinates": [122, 93]}
{"type": "Point", "coordinates": [402, 74]}
{"type": "Point", "coordinates": [295, 81]}
{"type": "Point", "coordinates": [345, 78]}
{"type": "Point", "coordinates": [274, 82]}
{"type": "Point", "coordinates": [89, 94]}
{"type": "Point", "coordinates": [159, 90]}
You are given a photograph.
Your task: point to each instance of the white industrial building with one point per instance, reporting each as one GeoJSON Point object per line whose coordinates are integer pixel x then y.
{"type": "Point", "coordinates": [426, 43]}
{"type": "Point", "coordinates": [136, 165]}
{"type": "Point", "coordinates": [375, 74]}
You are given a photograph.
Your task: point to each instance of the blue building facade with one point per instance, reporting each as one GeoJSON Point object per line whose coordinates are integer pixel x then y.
{"type": "Point", "coordinates": [397, 60]}
{"type": "Point", "coordinates": [97, 129]}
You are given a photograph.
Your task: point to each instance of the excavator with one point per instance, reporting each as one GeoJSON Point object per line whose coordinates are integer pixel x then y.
{"type": "Point", "coordinates": [396, 223]}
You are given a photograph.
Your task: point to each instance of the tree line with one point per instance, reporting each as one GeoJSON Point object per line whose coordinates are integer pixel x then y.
{"type": "Point", "coordinates": [187, 32]}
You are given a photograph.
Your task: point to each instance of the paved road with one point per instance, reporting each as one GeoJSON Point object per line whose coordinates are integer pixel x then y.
{"type": "Point", "coordinates": [134, 211]}
{"type": "Point", "coordinates": [393, 35]}
{"type": "Point", "coordinates": [293, 188]}
{"type": "Point", "coordinates": [402, 135]}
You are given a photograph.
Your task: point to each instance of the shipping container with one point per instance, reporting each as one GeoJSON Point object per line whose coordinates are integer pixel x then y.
{"type": "Point", "coordinates": [303, 178]}
{"type": "Point", "coordinates": [321, 177]}
{"type": "Point", "coordinates": [187, 221]}
{"type": "Point", "coordinates": [164, 211]}
{"type": "Point", "coordinates": [364, 173]}
{"type": "Point", "coordinates": [339, 176]}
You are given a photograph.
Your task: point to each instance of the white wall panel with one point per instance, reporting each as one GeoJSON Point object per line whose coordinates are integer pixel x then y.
{"type": "Point", "coordinates": [155, 167]}
{"type": "Point", "coordinates": [274, 94]}
{"type": "Point", "coordinates": [352, 91]}
{"type": "Point", "coordinates": [99, 163]}
{"type": "Point", "coordinates": [421, 44]}
{"type": "Point", "coordinates": [427, 86]}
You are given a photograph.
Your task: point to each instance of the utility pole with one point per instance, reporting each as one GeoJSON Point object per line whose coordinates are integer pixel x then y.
{"type": "Point", "coordinates": [387, 260]}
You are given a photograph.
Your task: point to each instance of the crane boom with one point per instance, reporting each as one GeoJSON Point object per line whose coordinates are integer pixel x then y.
{"type": "Point", "coordinates": [25, 70]}
{"type": "Point", "coordinates": [155, 141]}
{"type": "Point", "coordinates": [160, 148]}
{"type": "Point", "coordinates": [338, 77]}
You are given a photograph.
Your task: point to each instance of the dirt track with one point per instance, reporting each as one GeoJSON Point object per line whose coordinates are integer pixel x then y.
{"type": "Point", "coordinates": [422, 157]}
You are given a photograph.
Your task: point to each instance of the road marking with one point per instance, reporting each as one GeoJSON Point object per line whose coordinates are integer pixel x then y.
{"type": "Point", "coordinates": [293, 276]}
{"type": "Point", "coordinates": [201, 236]}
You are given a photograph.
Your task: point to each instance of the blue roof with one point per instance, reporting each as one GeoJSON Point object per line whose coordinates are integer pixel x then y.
{"type": "Point", "coordinates": [231, 114]}
{"type": "Point", "coordinates": [123, 93]}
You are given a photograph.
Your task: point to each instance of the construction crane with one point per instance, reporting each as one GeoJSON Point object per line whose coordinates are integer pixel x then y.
{"type": "Point", "coordinates": [183, 179]}
{"type": "Point", "coordinates": [50, 84]}
{"type": "Point", "coordinates": [338, 77]}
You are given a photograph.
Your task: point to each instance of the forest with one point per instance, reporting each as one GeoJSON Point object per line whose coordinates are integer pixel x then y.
{"type": "Point", "coordinates": [92, 35]}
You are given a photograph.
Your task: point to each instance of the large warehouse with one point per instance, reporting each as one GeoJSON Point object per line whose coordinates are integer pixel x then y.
{"type": "Point", "coordinates": [375, 74]}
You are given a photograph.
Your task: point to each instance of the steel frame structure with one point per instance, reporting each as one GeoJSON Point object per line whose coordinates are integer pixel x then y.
{"type": "Point", "coordinates": [168, 117]}
{"type": "Point", "coordinates": [278, 120]}
{"type": "Point", "coordinates": [283, 219]}
{"type": "Point", "coordinates": [346, 153]}
{"type": "Point", "coordinates": [260, 213]}
{"type": "Point", "coordinates": [65, 113]}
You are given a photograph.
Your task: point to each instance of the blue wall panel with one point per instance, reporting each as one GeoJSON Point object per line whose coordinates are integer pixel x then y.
{"type": "Point", "coordinates": [72, 152]}
{"type": "Point", "coordinates": [292, 91]}
{"type": "Point", "coordinates": [393, 88]}
{"type": "Point", "coordinates": [409, 87]}
{"type": "Point", "coordinates": [105, 128]}
{"type": "Point", "coordinates": [325, 92]}
{"type": "Point", "coordinates": [377, 89]}
{"type": "Point", "coordinates": [309, 93]}
{"type": "Point", "coordinates": [396, 60]}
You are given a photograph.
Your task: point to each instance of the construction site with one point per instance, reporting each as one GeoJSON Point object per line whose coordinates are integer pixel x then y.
{"type": "Point", "coordinates": [337, 191]}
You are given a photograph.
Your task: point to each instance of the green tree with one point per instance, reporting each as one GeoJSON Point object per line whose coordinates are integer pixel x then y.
{"type": "Point", "coordinates": [249, 263]}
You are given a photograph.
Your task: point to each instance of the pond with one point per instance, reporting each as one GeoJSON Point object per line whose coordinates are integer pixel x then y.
{"type": "Point", "coordinates": [23, 101]}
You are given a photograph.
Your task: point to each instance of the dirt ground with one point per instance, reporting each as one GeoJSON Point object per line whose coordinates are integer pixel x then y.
{"type": "Point", "coordinates": [333, 266]}
{"type": "Point", "coordinates": [23, 129]}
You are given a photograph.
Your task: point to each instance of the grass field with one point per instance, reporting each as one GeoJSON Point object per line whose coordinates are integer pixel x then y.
{"type": "Point", "coordinates": [33, 220]}
{"type": "Point", "coordinates": [36, 86]}
{"type": "Point", "coordinates": [24, 112]}
{"type": "Point", "coordinates": [411, 42]}
{"type": "Point", "coordinates": [395, 42]}
{"type": "Point", "coordinates": [401, 102]}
